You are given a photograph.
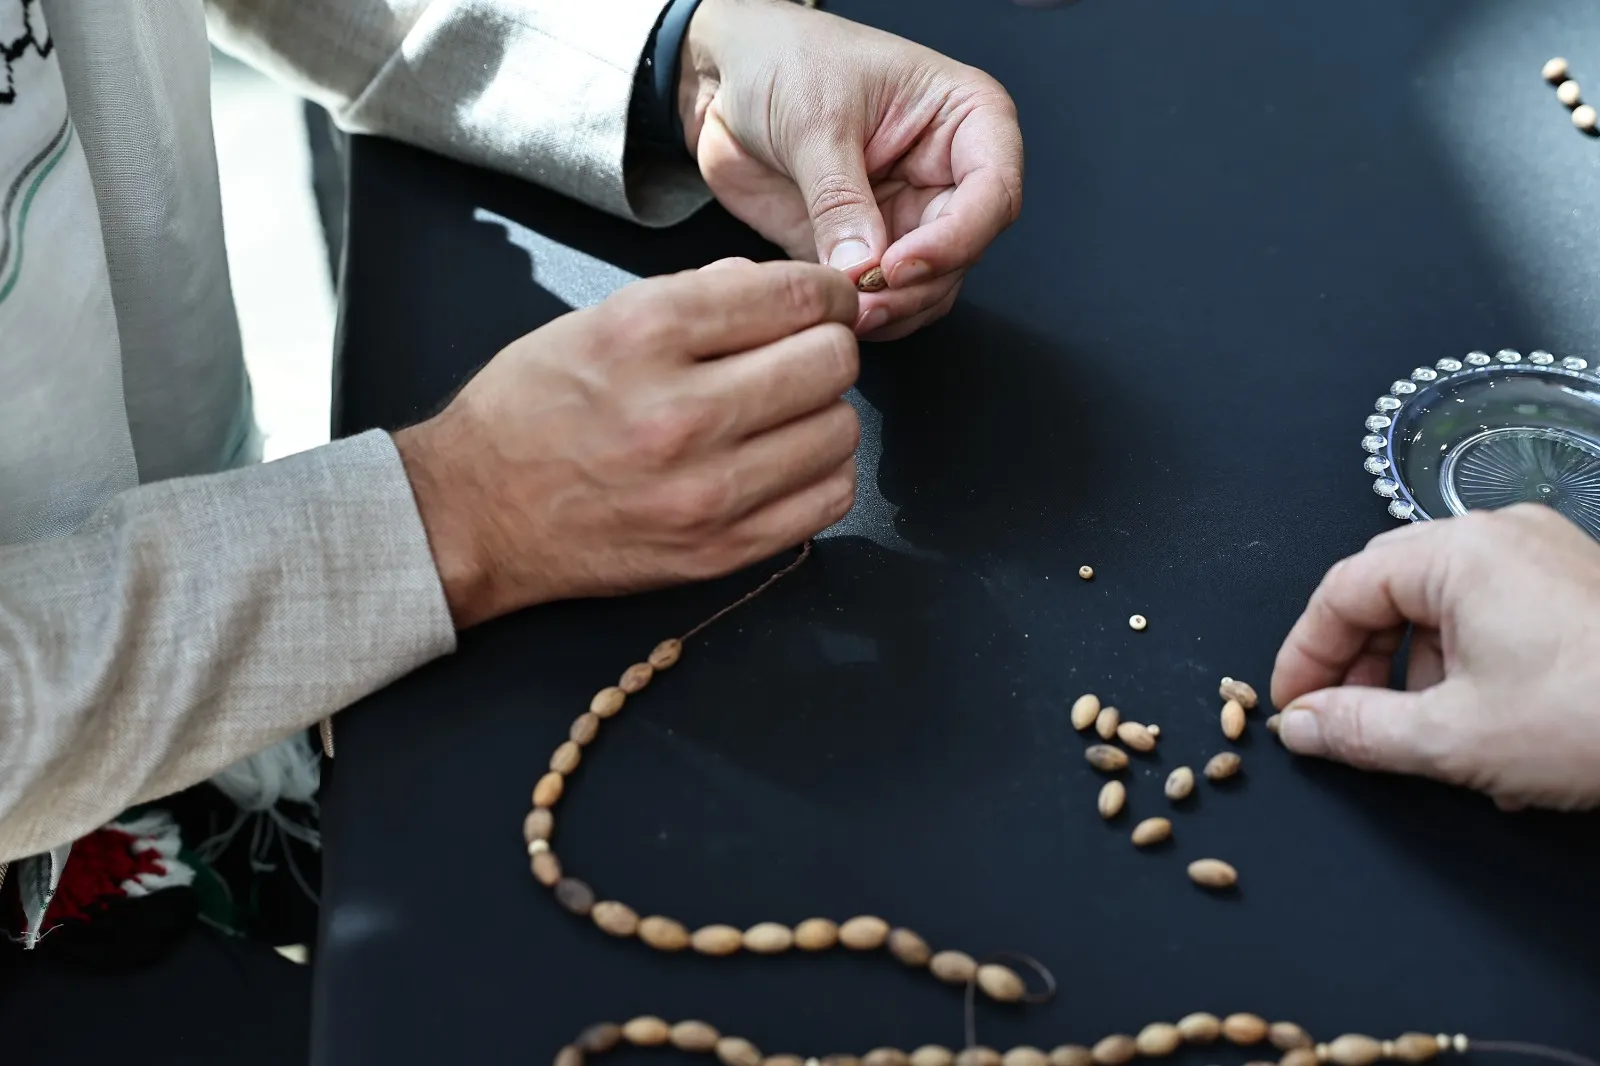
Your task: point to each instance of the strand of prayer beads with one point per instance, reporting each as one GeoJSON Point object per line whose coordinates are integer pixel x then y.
{"type": "Point", "coordinates": [861, 933]}
{"type": "Point", "coordinates": [1156, 1040]}
{"type": "Point", "coordinates": [870, 933]}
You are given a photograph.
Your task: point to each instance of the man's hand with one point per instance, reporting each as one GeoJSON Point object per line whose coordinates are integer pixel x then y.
{"type": "Point", "coordinates": [688, 426]}
{"type": "Point", "coordinates": [852, 147]}
{"type": "Point", "coordinates": [1504, 674]}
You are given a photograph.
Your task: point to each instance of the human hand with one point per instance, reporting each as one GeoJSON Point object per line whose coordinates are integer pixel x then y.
{"type": "Point", "coordinates": [686, 427]}
{"type": "Point", "coordinates": [1504, 674]}
{"type": "Point", "coordinates": [852, 147]}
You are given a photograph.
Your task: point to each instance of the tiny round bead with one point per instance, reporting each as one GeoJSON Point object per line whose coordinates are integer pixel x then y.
{"type": "Point", "coordinates": [909, 948]}
{"type": "Point", "coordinates": [598, 1039]}
{"type": "Point", "coordinates": [617, 919]}
{"type": "Point", "coordinates": [1114, 1050]}
{"type": "Point", "coordinates": [1244, 1029]}
{"type": "Point", "coordinates": [864, 933]}
{"type": "Point", "coordinates": [717, 940]}
{"type": "Point", "coordinates": [565, 758]}
{"type": "Point", "coordinates": [538, 825]}
{"type": "Point", "coordinates": [736, 1050]}
{"type": "Point", "coordinates": [1154, 730]}
{"type": "Point", "coordinates": [549, 789]}
{"type": "Point", "coordinates": [932, 1055]}
{"type": "Point", "coordinates": [636, 677]}
{"type": "Point", "coordinates": [646, 1031]}
{"type": "Point", "coordinates": [1024, 1056]}
{"type": "Point", "coordinates": [1443, 1039]}
{"type": "Point", "coordinates": [575, 896]}
{"type": "Point", "coordinates": [569, 1056]}
{"type": "Point", "coordinates": [816, 934]}
{"type": "Point", "coordinates": [536, 846]}
{"type": "Point", "coordinates": [1570, 93]}
{"type": "Point", "coordinates": [1286, 1036]}
{"type": "Point", "coordinates": [546, 868]}
{"type": "Point", "coordinates": [1071, 1055]}
{"type": "Point", "coordinates": [607, 702]}
{"type": "Point", "coordinates": [1138, 622]}
{"type": "Point", "coordinates": [694, 1036]}
{"type": "Point", "coordinates": [663, 934]}
{"type": "Point", "coordinates": [1556, 70]}
{"type": "Point", "coordinates": [1086, 572]}
{"type": "Point", "coordinates": [768, 938]}
{"type": "Point", "coordinates": [1200, 1027]}
{"type": "Point", "coordinates": [1585, 117]}
{"type": "Point", "coordinates": [1388, 1050]}
{"type": "Point", "coordinates": [1001, 983]}
{"type": "Point", "coordinates": [666, 654]}
{"type": "Point", "coordinates": [1158, 1039]}
{"type": "Point", "coordinates": [584, 727]}
{"type": "Point", "coordinates": [885, 1056]}
{"type": "Point", "coordinates": [1460, 1043]}
{"type": "Point", "coordinates": [953, 967]}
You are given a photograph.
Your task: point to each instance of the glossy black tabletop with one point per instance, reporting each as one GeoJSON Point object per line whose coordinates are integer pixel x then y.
{"type": "Point", "coordinates": [1243, 220]}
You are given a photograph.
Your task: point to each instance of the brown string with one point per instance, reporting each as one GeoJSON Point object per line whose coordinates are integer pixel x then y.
{"type": "Point", "coordinates": [1049, 979]}
{"type": "Point", "coordinates": [805, 553]}
{"type": "Point", "coordinates": [1540, 1051]}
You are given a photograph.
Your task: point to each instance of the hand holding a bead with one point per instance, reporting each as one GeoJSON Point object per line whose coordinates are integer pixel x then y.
{"type": "Point", "coordinates": [688, 426]}
{"type": "Point", "coordinates": [852, 147]}
{"type": "Point", "coordinates": [1503, 674]}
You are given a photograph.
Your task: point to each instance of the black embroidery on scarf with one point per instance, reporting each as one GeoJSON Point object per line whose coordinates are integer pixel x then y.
{"type": "Point", "coordinates": [11, 51]}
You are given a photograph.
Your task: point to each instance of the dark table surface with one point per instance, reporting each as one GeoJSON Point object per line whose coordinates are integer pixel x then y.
{"type": "Point", "coordinates": [1244, 218]}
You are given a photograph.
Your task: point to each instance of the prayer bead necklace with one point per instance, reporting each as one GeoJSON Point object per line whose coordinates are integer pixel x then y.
{"type": "Point", "coordinates": [865, 933]}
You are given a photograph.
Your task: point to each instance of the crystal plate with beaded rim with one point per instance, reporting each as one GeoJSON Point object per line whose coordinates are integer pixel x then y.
{"type": "Point", "coordinates": [1488, 431]}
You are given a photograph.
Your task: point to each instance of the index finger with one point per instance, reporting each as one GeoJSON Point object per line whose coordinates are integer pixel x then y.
{"type": "Point", "coordinates": [1388, 584]}
{"type": "Point", "coordinates": [701, 314]}
{"type": "Point", "coordinates": [986, 165]}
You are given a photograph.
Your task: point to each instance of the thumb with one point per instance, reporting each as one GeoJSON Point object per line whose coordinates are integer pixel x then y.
{"type": "Point", "coordinates": [832, 176]}
{"type": "Point", "coordinates": [1369, 728]}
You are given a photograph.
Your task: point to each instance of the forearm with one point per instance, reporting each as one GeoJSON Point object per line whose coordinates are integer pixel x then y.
{"type": "Point", "coordinates": [193, 622]}
{"type": "Point", "coordinates": [536, 88]}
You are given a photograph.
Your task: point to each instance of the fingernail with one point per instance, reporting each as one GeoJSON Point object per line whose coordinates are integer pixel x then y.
{"type": "Point", "coordinates": [1301, 731]}
{"type": "Point", "coordinates": [910, 272]}
{"type": "Point", "coordinates": [876, 318]}
{"type": "Point", "coordinates": [849, 254]}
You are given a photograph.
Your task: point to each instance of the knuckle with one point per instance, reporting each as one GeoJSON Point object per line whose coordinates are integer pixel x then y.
{"type": "Point", "coordinates": [839, 355]}
{"type": "Point", "coordinates": [832, 196]}
{"type": "Point", "coordinates": [666, 433]}
{"type": "Point", "coordinates": [691, 505]}
{"type": "Point", "coordinates": [801, 293]}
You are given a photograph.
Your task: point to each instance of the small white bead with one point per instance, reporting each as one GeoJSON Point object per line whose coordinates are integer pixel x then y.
{"type": "Point", "coordinates": [1137, 622]}
{"type": "Point", "coordinates": [1460, 1043]}
{"type": "Point", "coordinates": [536, 846]}
{"type": "Point", "coordinates": [1443, 1040]}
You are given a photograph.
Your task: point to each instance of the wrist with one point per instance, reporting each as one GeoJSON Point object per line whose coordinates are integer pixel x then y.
{"type": "Point", "coordinates": [700, 72]}
{"type": "Point", "coordinates": [444, 501]}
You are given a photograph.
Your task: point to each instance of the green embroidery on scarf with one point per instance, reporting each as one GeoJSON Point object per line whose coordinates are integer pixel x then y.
{"type": "Point", "coordinates": [22, 218]}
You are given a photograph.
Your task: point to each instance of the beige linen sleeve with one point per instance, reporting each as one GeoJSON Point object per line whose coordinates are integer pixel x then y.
{"type": "Point", "coordinates": [535, 88]}
{"type": "Point", "coordinates": [196, 621]}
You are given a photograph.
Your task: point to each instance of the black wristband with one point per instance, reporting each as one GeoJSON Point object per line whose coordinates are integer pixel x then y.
{"type": "Point", "coordinates": [654, 115]}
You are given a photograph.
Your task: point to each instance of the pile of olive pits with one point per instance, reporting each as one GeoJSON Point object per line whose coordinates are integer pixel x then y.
{"type": "Point", "coordinates": [867, 933]}
{"type": "Point", "coordinates": [1108, 723]}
